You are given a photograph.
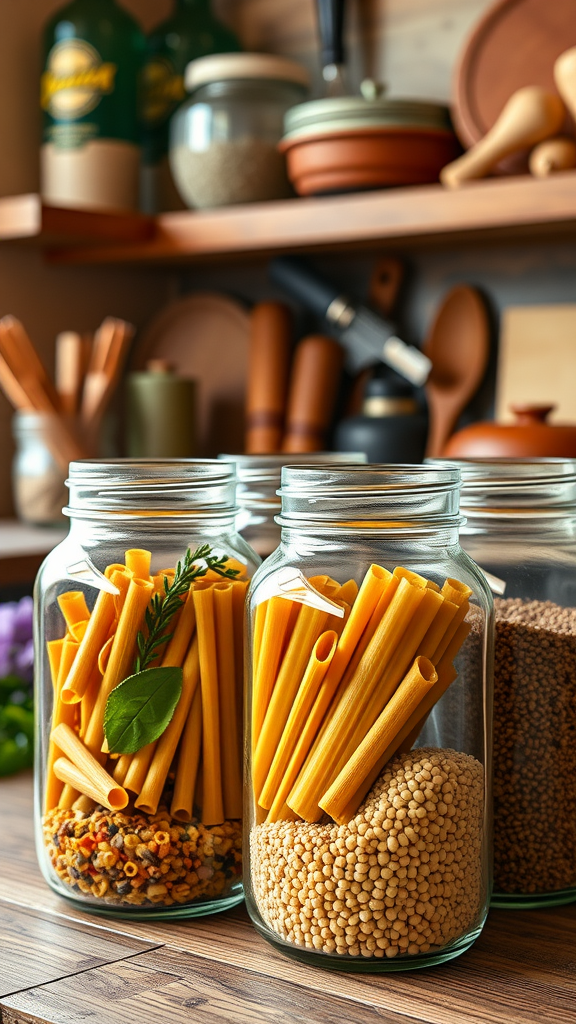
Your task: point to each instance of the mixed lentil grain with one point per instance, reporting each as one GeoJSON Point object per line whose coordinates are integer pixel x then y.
{"type": "Point", "coordinates": [141, 860]}
{"type": "Point", "coordinates": [403, 877]}
{"type": "Point", "coordinates": [534, 747]}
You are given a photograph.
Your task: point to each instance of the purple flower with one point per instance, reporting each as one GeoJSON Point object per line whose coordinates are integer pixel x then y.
{"type": "Point", "coordinates": [16, 646]}
{"type": "Point", "coordinates": [24, 661]}
{"type": "Point", "coordinates": [23, 620]}
{"type": "Point", "coordinates": [7, 621]}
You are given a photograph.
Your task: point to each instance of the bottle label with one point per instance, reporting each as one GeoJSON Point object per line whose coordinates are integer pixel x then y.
{"type": "Point", "coordinates": [75, 80]}
{"type": "Point", "coordinates": [162, 91]}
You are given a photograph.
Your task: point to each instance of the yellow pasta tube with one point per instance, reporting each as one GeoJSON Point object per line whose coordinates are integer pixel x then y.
{"type": "Point", "coordinates": [182, 635]}
{"type": "Point", "coordinates": [75, 751]}
{"type": "Point", "coordinates": [138, 562]}
{"type": "Point", "coordinates": [278, 784]}
{"type": "Point", "coordinates": [348, 592]}
{"type": "Point", "coordinates": [84, 804]}
{"type": "Point", "coordinates": [229, 732]}
{"type": "Point", "coordinates": [73, 607]}
{"type": "Point", "coordinates": [309, 625]}
{"type": "Point", "coordinates": [318, 770]}
{"type": "Point", "coordinates": [166, 746]}
{"type": "Point", "coordinates": [259, 627]}
{"type": "Point", "coordinates": [459, 594]}
{"type": "Point", "coordinates": [188, 762]}
{"type": "Point", "coordinates": [239, 590]}
{"type": "Point", "coordinates": [121, 656]}
{"type": "Point", "coordinates": [54, 648]}
{"type": "Point", "coordinates": [98, 629]}
{"type": "Point", "coordinates": [68, 797]}
{"type": "Point", "coordinates": [138, 768]}
{"type": "Point", "coordinates": [437, 629]}
{"type": "Point", "coordinates": [212, 802]}
{"type": "Point", "coordinates": [121, 578]}
{"type": "Point", "coordinates": [110, 795]}
{"type": "Point", "coordinates": [120, 769]}
{"type": "Point", "coordinates": [273, 644]}
{"type": "Point", "coordinates": [61, 712]}
{"type": "Point", "coordinates": [78, 629]}
{"type": "Point", "coordinates": [89, 699]}
{"type": "Point", "coordinates": [354, 777]}
{"type": "Point", "coordinates": [104, 655]}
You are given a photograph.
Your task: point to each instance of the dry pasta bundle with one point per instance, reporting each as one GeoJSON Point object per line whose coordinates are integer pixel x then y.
{"type": "Point", "coordinates": [334, 699]}
{"type": "Point", "coordinates": [143, 786]}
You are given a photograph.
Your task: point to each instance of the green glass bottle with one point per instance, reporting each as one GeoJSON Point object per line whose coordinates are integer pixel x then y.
{"type": "Point", "coordinates": [192, 31]}
{"type": "Point", "coordinates": [93, 55]}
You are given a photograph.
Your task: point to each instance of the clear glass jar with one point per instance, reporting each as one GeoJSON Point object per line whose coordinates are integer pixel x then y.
{"type": "Point", "coordinates": [521, 527]}
{"type": "Point", "coordinates": [38, 481]}
{"type": "Point", "coordinates": [367, 819]}
{"type": "Point", "coordinates": [224, 139]}
{"type": "Point", "coordinates": [139, 654]}
{"type": "Point", "coordinates": [257, 492]}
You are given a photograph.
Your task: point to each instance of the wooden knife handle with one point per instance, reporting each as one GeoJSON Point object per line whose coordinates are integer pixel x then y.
{"type": "Point", "coordinates": [268, 369]}
{"type": "Point", "coordinates": [313, 390]}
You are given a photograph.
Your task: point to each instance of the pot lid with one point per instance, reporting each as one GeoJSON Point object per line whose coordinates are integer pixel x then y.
{"type": "Point", "coordinates": [345, 113]}
{"type": "Point", "coordinates": [220, 67]}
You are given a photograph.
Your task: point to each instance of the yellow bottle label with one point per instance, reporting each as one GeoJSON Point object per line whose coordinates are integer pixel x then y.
{"type": "Point", "coordinates": [75, 80]}
{"type": "Point", "coordinates": [162, 90]}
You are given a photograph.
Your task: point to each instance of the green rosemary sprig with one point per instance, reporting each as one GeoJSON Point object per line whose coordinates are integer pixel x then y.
{"type": "Point", "coordinates": [163, 608]}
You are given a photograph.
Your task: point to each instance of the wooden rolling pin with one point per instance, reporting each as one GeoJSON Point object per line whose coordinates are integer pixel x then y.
{"type": "Point", "coordinates": [565, 78]}
{"type": "Point", "coordinates": [552, 155]}
{"type": "Point", "coordinates": [313, 390]}
{"type": "Point", "coordinates": [268, 369]}
{"type": "Point", "coordinates": [531, 115]}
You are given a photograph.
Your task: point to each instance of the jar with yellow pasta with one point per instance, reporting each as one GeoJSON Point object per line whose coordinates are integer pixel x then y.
{"type": "Point", "coordinates": [139, 663]}
{"type": "Point", "coordinates": [369, 702]}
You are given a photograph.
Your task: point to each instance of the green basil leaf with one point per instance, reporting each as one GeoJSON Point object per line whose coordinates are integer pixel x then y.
{"type": "Point", "coordinates": [140, 708]}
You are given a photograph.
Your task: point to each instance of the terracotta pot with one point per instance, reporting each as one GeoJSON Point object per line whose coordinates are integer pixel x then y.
{"type": "Point", "coordinates": [352, 143]}
{"type": "Point", "coordinates": [531, 436]}
{"type": "Point", "coordinates": [367, 159]}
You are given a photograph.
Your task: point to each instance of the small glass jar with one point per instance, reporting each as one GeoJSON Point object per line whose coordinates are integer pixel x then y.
{"type": "Point", "coordinates": [257, 492]}
{"type": "Point", "coordinates": [224, 139]}
{"type": "Point", "coordinates": [38, 481]}
{"type": "Point", "coordinates": [521, 527]}
{"type": "Point", "coordinates": [367, 824]}
{"type": "Point", "coordinates": [139, 655]}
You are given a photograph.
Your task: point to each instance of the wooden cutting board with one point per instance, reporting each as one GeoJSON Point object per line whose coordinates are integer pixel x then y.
{"type": "Point", "coordinates": [537, 361]}
{"type": "Point", "coordinates": [205, 337]}
{"type": "Point", "coordinates": [514, 44]}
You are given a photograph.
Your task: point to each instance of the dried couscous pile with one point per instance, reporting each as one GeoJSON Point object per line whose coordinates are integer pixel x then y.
{"type": "Point", "coordinates": [401, 878]}
{"type": "Point", "coordinates": [138, 860]}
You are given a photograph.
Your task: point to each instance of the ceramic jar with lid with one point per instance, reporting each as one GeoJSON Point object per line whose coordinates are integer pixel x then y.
{"type": "Point", "coordinates": [257, 491]}
{"type": "Point", "coordinates": [224, 139]}
{"type": "Point", "coordinates": [368, 706]}
{"type": "Point", "coordinates": [531, 436]}
{"type": "Point", "coordinates": [139, 657]}
{"type": "Point", "coordinates": [521, 528]}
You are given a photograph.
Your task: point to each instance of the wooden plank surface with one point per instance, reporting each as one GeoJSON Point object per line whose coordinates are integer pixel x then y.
{"type": "Point", "coordinates": [36, 948]}
{"type": "Point", "coordinates": [522, 969]}
{"type": "Point", "coordinates": [168, 984]}
{"type": "Point", "coordinates": [402, 215]}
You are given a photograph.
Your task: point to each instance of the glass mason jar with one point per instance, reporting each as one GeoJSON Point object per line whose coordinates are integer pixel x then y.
{"type": "Point", "coordinates": [139, 654]}
{"type": "Point", "coordinates": [257, 492]}
{"type": "Point", "coordinates": [224, 139]}
{"type": "Point", "coordinates": [367, 817]}
{"type": "Point", "coordinates": [38, 481]}
{"type": "Point", "coordinates": [521, 526]}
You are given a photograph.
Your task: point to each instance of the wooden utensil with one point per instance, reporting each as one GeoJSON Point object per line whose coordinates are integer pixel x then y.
{"type": "Point", "coordinates": [514, 44]}
{"type": "Point", "coordinates": [268, 369]}
{"type": "Point", "coordinates": [530, 115]}
{"type": "Point", "coordinates": [383, 291]}
{"type": "Point", "coordinates": [551, 156]}
{"type": "Point", "coordinates": [69, 372]}
{"type": "Point", "coordinates": [458, 345]}
{"type": "Point", "coordinates": [565, 78]}
{"type": "Point", "coordinates": [313, 388]}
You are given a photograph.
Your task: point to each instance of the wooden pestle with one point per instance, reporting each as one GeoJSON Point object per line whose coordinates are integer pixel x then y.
{"type": "Point", "coordinates": [531, 115]}
{"type": "Point", "coordinates": [565, 78]}
{"type": "Point", "coordinates": [313, 390]}
{"type": "Point", "coordinates": [268, 369]}
{"type": "Point", "coordinates": [552, 155]}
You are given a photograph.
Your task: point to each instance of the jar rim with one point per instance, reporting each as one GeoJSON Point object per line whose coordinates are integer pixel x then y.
{"type": "Point", "coordinates": [163, 488]}
{"type": "Point", "coordinates": [219, 67]}
{"type": "Point", "coordinates": [507, 486]}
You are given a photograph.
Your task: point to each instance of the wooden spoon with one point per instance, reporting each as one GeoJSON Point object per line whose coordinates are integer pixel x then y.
{"type": "Point", "coordinates": [458, 344]}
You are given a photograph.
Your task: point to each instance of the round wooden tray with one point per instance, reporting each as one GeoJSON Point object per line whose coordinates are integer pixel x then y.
{"type": "Point", "coordinates": [205, 336]}
{"type": "Point", "coordinates": [515, 44]}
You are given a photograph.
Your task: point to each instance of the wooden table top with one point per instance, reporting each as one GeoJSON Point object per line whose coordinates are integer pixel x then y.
{"type": "Point", "coordinates": [62, 966]}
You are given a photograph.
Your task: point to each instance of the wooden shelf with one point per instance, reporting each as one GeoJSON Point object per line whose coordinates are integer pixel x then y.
{"type": "Point", "coordinates": [26, 218]}
{"type": "Point", "coordinates": [500, 207]}
{"type": "Point", "coordinates": [403, 216]}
